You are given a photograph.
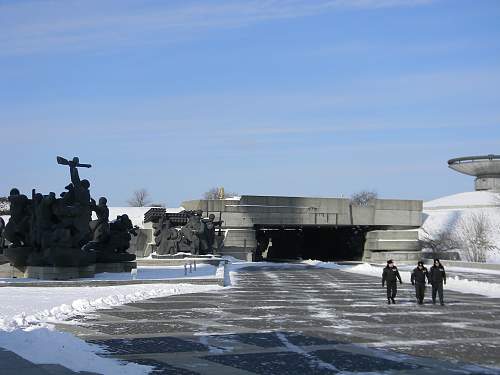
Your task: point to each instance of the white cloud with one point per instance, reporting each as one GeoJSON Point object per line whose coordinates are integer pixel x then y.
{"type": "Point", "coordinates": [53, 25]}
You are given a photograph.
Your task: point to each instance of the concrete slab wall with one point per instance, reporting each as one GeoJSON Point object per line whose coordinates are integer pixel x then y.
{"type": "Point", "coordinates": [269, 210]}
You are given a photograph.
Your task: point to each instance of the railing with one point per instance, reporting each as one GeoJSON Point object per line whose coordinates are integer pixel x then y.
{"type": "Point", "coordinates": [472, 158]}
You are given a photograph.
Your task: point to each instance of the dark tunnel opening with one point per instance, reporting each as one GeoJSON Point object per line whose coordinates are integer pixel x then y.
{"type": "Point", "coordinates": [340, 243]}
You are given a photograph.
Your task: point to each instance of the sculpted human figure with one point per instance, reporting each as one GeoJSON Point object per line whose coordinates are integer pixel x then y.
{"type": "Point", "coordinates": [121, 230]}
{"type": "Point", "coordinates": [68, 197]}
{"type": "Point", "coordinates": [18, 228]}
{"type": "Point", "coordinates": [210, 226]}
{"type": "Point", "coordinates": [78, 198]}
{"type": "Point", "coordinates": [82, 201]}
{"type": "Point", "coordinates": [2, 239]}
{"type": "Point", "coordinates": [191, 233]}
{"type": "Point", "coordinates": [100, 227]}
{"type": "Point", "coordinates": [43, 219]}
{"type": "Point", "coordinates": [166, 237]}
{"type": "Point", "coordinates": [46, 219]}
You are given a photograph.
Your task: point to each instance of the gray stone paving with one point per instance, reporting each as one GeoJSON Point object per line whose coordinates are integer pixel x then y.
{"type": "Point", "coordinates": [302, 320]}
{"type": "Point", "coordinates": [12, 364]}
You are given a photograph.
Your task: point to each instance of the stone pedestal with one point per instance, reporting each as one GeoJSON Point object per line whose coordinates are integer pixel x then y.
{"type": "Point", "coordinates": [7, 271]}
{"type": "Point", "coordinates": [64, 257]}
{"type": "Point", "coordinates": [105, 257]}
{"type": "Point", "coordinates": [58, 273]}
{"type": "Point", "coordinates": [115, 267]}
{"type": "Point", "coordinates": [17, 256]}
{"type": "Point", "coordinates": [46, 273]}
{"type": "Point", "coordinates": [181, 256]}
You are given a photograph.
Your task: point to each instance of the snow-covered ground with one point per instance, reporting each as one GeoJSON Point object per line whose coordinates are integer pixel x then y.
{"type": "Point", "coordinates": [445, 213]}
{"type": "Point", "coordinates": [26, 329]}
{"type": "Point", "coordinates": [27, 315]}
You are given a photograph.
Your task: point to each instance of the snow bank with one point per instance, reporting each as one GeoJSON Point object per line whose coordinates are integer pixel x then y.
{"type": "Point", "coordinates": [27, 306]}
{"type": "Point", "coordinates": [452, 283]}
{"type": "Point", "coordinates": [321, 264]}
{"type": "Point", "coordinates": [26, 313]}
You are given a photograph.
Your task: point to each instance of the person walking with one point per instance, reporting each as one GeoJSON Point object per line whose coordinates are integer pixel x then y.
{"type": "Point", "coordinates": [418, 279]}
{"type": "Point", "coordinates": [391, 275]}
{"type": "Point", "coordinates": [437, 277]}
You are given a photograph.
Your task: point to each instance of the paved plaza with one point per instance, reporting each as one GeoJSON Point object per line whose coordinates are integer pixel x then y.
{"type": "Point", "coordinates": [301, 320]}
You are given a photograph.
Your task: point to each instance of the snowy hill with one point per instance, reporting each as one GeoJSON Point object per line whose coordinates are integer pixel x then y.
{"type": "Point", "coordinates": [449, 212]}
{"type": "Point", "coordinates": [472, 199]}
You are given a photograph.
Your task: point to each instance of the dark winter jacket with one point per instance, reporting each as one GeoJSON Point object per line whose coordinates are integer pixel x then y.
{"type": "Point", "coordinates": [437, 275]}
{"type": "Point", "coordinates": [391, 275]}
{"type": "Point", "coordinates": [419, 275]}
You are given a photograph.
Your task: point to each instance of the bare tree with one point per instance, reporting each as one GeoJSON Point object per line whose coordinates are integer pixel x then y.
{"type": "Point", "coordinates": [218, 193]}
{"type": "Point", "coordinates": [363, 198]}
{"type": "Point", "coordinates": [439, 242]}
{"type": "Point", "coordinates": [473, 236]}
{"type": "Point", "coordinates": [211, 194]}
{"type": "Point", "coordinates": [140, 198]}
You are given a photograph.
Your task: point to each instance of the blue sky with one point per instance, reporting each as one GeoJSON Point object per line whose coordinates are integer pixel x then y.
{"type": "Point", "coordinates": [282, 97]}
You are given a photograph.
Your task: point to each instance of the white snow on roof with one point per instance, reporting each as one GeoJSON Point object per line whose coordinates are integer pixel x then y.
{"type": "Point", "coordinates": [465, 200]}
{"type": "Point", "coordinates": [136, 214]}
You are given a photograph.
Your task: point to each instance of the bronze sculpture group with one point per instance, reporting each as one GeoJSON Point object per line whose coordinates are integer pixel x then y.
{"type": "Point", "coordinates": [197, 236]}
{"type": "Point", "coordinates": [48, 231]}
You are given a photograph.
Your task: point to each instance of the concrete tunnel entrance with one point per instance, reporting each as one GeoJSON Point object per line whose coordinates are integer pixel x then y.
{"type": "Point", "coordinates": [325, 243]}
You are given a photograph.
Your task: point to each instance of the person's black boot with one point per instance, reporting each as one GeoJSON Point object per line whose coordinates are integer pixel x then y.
{"type": "Point", "coordinates": [393, 301]}
{"type": "Point", "coordinates": [442, 303]}
{"type": "Point", "coordinates": [388, 301]}
{"type": "Point", "coordinates": [433, 301]}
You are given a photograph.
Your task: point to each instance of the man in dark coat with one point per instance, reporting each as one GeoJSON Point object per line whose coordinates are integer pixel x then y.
{"type": "Point", "coordinates": [391, 275]}
{"type": "Point", "coordinates": [418, 278]}
{"type": "Point", "coordinates": [437, 277]}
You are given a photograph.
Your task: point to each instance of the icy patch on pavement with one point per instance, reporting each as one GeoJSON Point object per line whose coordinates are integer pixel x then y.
{"type": "Point", "coordinates": [456, 324]}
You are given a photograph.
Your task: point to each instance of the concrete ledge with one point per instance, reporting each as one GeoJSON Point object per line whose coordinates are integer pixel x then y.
{"type": "Point", "coordinates": [388, 245]}
{"type": "Point", "coordinates": [58, 273]}
{"type": "Point", "coordinates": [178, 262]}
{"type": "Point", "coordinates": [392, 234]}
{"type": "Point", "coordinates": [383, 256]}
{"type": "Point", "coordinates": [63, 273]}
{"type": "Point", "coordinates": [237, 252]}
{"type": "Point", "coordinates": [92, 283]}
{"type": "Point", "coordinates": [118, 267]}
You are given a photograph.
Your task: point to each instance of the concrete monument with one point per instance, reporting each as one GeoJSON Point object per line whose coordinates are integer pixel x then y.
{"type": "Point", "coordinates": [47, 231]}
